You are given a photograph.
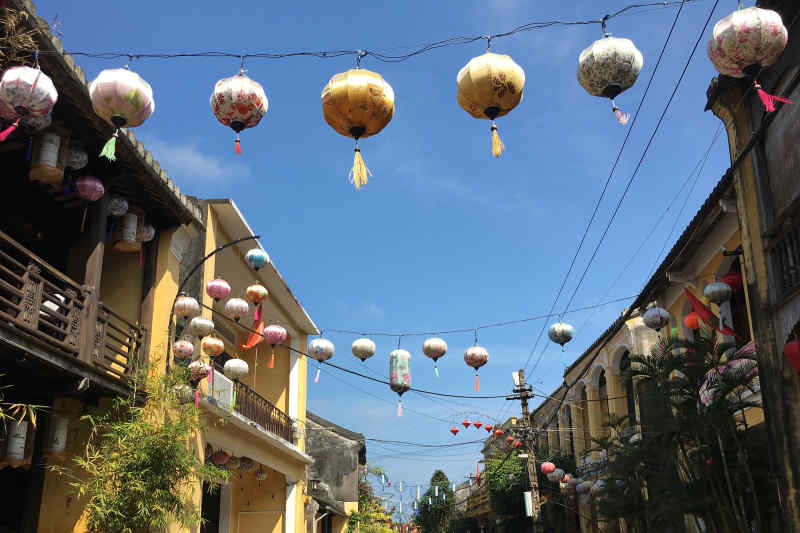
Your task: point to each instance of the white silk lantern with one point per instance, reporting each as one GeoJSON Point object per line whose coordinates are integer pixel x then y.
{"type": "Point", "coordinates": [239, 102]}
{"type": "Point", "coordinates": [25, 92]}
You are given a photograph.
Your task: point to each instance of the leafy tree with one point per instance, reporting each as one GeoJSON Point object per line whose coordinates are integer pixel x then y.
{"type": "Point", "coordinates": [371, 516]}
{"type": "Point", "coordinates": [435, 516]}
{"type": "Point", "coordinates": [140, 465]}
{"type": "Point", "coordinates": [461, 523]}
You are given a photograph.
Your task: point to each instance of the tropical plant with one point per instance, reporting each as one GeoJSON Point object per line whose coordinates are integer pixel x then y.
{"type": "Point", "coordinates": [141, 464]}
{"type": "Point", "coordinates": [437, 505]}
{"type": "Point", "coordinates": [15, 411]}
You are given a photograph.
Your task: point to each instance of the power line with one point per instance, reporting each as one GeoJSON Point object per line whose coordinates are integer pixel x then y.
{"type": "Point", "coordinates": [421, 445]}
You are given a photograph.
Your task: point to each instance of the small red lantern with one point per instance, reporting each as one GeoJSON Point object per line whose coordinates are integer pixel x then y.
{"type": "Point", "coordinates": [466, 423]}
{"type": "Point", "coordinates": [509, 439]}
{"type": "Point", "coordinates": [733, 280]}
{"type": "Point", "coordinates": [792, 353]}
{"type": "Point", "coordinates": [477, 424]}
{"type": "Point", "coordinates": [692, 320]}
{"type": "Point", "coordinates": [498, 433]}
{"type": "Point", "coordinates": [454, 430]}
{"type": "Point", "coordinates": [565, 479]}
{"type": "Point", "coordinates": [548, 468]}
{"type": "Point", "coordinates": [488, 428]}
{"type": "Point", "coordinates": [517, 444]}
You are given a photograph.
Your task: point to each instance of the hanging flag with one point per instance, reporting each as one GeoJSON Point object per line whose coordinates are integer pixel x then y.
{"type": "Point", "coordinates": [706, 315]}
{"type": "Point", "coordinates": [257, 335]}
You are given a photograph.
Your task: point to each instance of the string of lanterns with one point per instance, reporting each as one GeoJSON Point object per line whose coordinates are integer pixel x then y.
{"type": "Point", "coordinates": [359, 103]}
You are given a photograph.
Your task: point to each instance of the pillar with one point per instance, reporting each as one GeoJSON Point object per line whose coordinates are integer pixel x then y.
{"type": "Point", "coordinates": [290, 516]}
{"type": "Point", "coordinates": [577, 424]}
{"type": "Point", "coordinates": [618, 404]}
{"type": "Point", "coordinates": [596, 429]}
{"type": "Point", "coordinates": [552, 436]}
{"type": "Point", "coordinates": [565, 429]}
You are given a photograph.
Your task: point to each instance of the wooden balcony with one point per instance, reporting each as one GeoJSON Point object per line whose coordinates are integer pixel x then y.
{"type": "Point", "coordinates": [47, 307]}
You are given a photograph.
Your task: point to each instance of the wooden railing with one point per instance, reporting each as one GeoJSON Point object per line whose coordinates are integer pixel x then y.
{"type": "Point", "coordinates": [51, 308]}
{"type": "Point", "coordinates": [786, 256]}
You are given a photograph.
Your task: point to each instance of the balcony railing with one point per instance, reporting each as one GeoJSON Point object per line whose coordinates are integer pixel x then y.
{"type": "Point", "coordinates": [59, 314]}
{"type": "Point", "coordinates": [786, 257]}
{"type": "Point", "coordinates": [251, 405]}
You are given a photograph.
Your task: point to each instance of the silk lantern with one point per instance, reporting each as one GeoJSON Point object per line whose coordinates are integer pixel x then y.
{"type": "Point", "coordinates": [454, 430]}
{"type": "Point", "coordinates": [122, 98]}
{"type": "Point", "coordinates": [434, 348]}
{"type": "Point", "coordinates": [25, 92]}
{"type": "Point", "coordinates": [182, 349]}
{"type": "Point", "coordinates": [237, 308]}
{"type": "Point", "coordinates": [692, 320]}
{"type": "Point", "coordinates": [363, 348]}
{"type": "Point", "coordinates": [274, 335]}
{"type": "Point", "coordinates": [77, 158]}
{"type": "Point", "coordinates": [489, 87]}
{"type": "Point", "coordinates": [125, 239]}
{"type": "Point", "coordinates": [236, 369]}
{"type": "Point", "coordinates": [358, 103]}
{"type": "Point", "coordinates": [733, 280]}
{"type": "Point", "coordinates": [212, 346]}
{"type": "Point", "coordinates": [321, 350]}
{"type": "Point", "coordinates": [197, 370]}
{"type": "Point", "coordinates": [117, 206]}
{"type": "Point", "coordinates": [656, 318]}
{"type": "Point", "coordinates": [476, 357]}
{"type": "Point", "coordinates": [466, 423]}
{"type": "Point", "coordinates": [477, 424]}
{"type": "Point", "coordinates": [707, 390]}
{"type": "Point", "coordinates": [256, 293]}
{"type": "Point", "coordinates": [791, 351]}
{"type": "Point", "coordinates": [186, 306]}
{"type": "Point", "coordinates": [608, 67]}
{"type": "Point", "coordinates": [561, 333]}
{"type": "Point", "coordinates": [747, 41]}
{"type": "Point", "coordinates": [34, 124]}
{"type": "Point", "coordinates": [547, 468]}
{"type": "Point", "coordinates": [145, 233]}
{"type": "Point", "coordinates": [218, 289]}
{"type": "Point", "coordinates": [90, 189]}
{"type": "Point", "coordinates": [200, 326]}
{"type": "Point", "coordinates": [718, 292]}
{"type": "Point", "coordinates": [400, 375]}
{"type": "Point", "coordinates": [256, 258]}
{"type": "Point", "coordinates": [239, 102]}
{"type": "Point", "coordinates": [49, 153]}
{"type": "Point", "coordinates": [488, 428]}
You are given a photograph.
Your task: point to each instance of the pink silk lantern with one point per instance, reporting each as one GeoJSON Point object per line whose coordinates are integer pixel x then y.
{"type": "Point", "coordinates": [274, 334]}
{"type": "Point", "coordinates": [25, 92]}
{"type": "Point", "coordinates": [476, 357]}
{"type": "Point", "coordinates": [146, 233]}
{"type": "Point", "coordinates": [183, 349]}
{"type": "Point", "coordinates": [239, 102]}
{"type": "Point", "coordinates": [122, 98]}
{"type": "Point", "coordinates": [212, 346]}
{"type": "Point", "coordinates": [91, 189]}
{"type": "Point", "coordinates": [218, 289]}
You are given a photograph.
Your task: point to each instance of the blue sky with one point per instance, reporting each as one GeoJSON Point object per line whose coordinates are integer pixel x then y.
{"type": "Point", "coordinates": [444, 236]}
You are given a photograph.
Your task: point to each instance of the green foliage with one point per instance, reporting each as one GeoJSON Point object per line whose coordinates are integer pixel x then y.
{"type": "Point", "coordinates": [461, 523]}
{"type": "Point", "coordinates": [507, 481]}
{"type": "Point", "coordinates": [371, 516]}
{"type": "Point", "coordinates": [435, 516]}
{"type": "Point", "coordinates": [15, 412]}
{"type": "Point", "coordinates": [140, 463]}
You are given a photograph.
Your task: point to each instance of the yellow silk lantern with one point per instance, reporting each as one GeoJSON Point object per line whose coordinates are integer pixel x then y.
{"type": "Point", "coordinates": [490, 86]}
{"type": "Point", "coordinates": [358, 103]}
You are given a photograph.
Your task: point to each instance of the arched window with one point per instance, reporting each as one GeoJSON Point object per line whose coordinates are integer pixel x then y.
{"type": "Point", "coordinates": [605, 411]}
{"type": "Point", "coordinates": [630, 392]}
{"type": "Point", "coordinates": [571, 429]}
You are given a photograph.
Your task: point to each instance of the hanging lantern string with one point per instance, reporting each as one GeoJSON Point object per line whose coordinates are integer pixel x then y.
{"type": "Point", "coordinates": [603, 25]}
{"type": "Point", "coordinates": [386, 58]}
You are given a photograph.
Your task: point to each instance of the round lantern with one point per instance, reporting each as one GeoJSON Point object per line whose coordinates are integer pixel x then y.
{"type": "Point", "coordinates": [122, 98]}
{"type": "Point", "coordinates": [477, 424]}
{"type": "Point", "coordinates": [517, 444]}
{"type": "Point", "coordinates": [488, 428]}
{"type": "Point", "coordinates": [182, 349]}
{"type": "Point", "coordinates": [200, 326]}
{"type": "Point", "coordinates": [363, 348]}
{"type": "Point", "coordinates": [791, 351]}
{"type": "Point", "coordinates": [400, 375]}
{"type": "Point", "coordinates": [261, 475]}
{"type": "Point", "coordinates": [197, 371]}
{"type": "Point", "coordinates": [212, 346]}
{"type": "Point", "coordinates": [476, 357]}
{"type": "Point", "coordinates": [608, 67]}
{"type": "Point", "coordinates": [186, 306]}
{"type": "Point", "coordinates": [656, 318]}
{"type": "Point", "coordinates": [25, 92]}
{"type": "Point", "coordinates": [498, 432]}
{"type": "Point", "coordinates": [117, 206]}
{"type": "Point", "coordinates": [275, 334]}
{"type": "Point", "coordinates": [547, 468]}
{"type": "Point", "coordinates": [256, 258]}
{"type": "Point", "coordinates": [558, 474]}
{"type": "Point", "coordinates": [90, 188]}
{"type": "Point", "coordinates": [561, 333]}
{"type": "Point", "coordinates": [236, 369]}
{"type": "Point", "coordinates": [509, 439]}
{"type": "Point", "coordinates": [77, 158]}
{"type": "Point", "coordinates": [718, 292]}
{"type": "Point", "coordinates": [490, 86]}
{"type": "Point", "coordinates": [454, 430]}
{"type": "Point", "coordinates": [358, 104]}
{"type": "Point", "coordinates": [692, 320]}
{"type": "Point", "coordinates": [733, 280]}
{"type": "Point", "coordinates": [466, 423]}
{"type": "Point", "coordinates": [434, 348]}
{"type": "Point", "coordinates": [145, 233]}
{"type": "Point", "coordinates": [237, 308]}
{"type": "Point", "coordinates": [34, 124]}
{"type": "Point", "coordinates": [321, 350]}
{"type": "Point", "coordinates": [256, 293]}
{"type": "Point", "coordinates": [183, 393]}
{"type": "Point", "coordinates": [219, 458]}
{"type": "Point", "coordinates": [239, 102]}
{"type": "Point", "coordinates": [218, 289]}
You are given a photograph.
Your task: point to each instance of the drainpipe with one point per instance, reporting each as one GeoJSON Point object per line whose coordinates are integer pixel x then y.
{"type": "Point", "coordinates": [326, 513]}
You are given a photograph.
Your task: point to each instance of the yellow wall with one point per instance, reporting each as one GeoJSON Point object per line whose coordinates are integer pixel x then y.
{"type": "Point", "coordinates": [121, 284]}
{"type": "Point", "coordinates": [257, 509]}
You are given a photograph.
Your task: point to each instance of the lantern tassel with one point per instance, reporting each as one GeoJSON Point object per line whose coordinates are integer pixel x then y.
{"type": "Point", "coordinates": [769, 99]}
{"type": "Point", "coordinates": [110, 148]}
{"type": "Point", "coordinates": [197, 397]}
{"type": "Point", "coordinates": [316, 377]}
{"type": "Point", "coordinates": [477, 384]}
{"type": "Point", "coordinates": [272, 359]}
{"type": "Point", "coordinates": [359, 175]}
{"type": "Point", "coordinates": [9, 130]}
{"type": "Point", "coordinates": [436, 369]}
{"type": "Point", "coordinates": [399, 407]}
{"type": "Point", "coordinates": [238, 146]}
{"type": "Point", "coordinates": [622, 118]}
{"type": "Point", "coordinates": [497, 144]}
{"type": "Point", "coordinates": [83, 219]}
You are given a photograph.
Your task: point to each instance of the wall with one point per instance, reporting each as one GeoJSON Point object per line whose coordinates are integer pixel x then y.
{"type": "Point", "coordinates": [257, 509]}
{"type": "Point", "coordinates": [335, 461]}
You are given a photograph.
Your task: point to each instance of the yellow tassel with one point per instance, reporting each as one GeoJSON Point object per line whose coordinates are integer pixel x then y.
{"type": "Point", "coordinates": [497, 144]}
{"type": "Point", "coordinates": [359, 176]}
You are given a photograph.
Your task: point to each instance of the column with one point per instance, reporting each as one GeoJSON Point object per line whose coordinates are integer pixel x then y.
{"type": "Point", "coordinates": [564, 430]}
{"type": "Point", "coordinates": [618, 405]}
{"type": "Point", "coordinates": [552, 435]}
{"type": "Point", "coordinates": [577, 424]}
{"type": "Point", "coordinates": [290, 515]}
{"type": "Point", "coordinates": [596, 429]}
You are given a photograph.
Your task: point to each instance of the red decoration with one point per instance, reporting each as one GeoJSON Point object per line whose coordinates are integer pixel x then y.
{"type": "Point", "coordinates": [488, 428]}
{"type": "Point", "coordinates": [454, 430]}
{"type": "Point", "coordinates": [733, 280]}
{"type": "Point", "coordinates": [466, 423]}
{"type": "Point", "coordinates": [565, 479]}
{"type": "Point", "coordinates": [498, 433]}
{"type": "Point", "coordinates": [792, 353]}
{"type": "Point", "coordinates": [477, 424]}
{"type": "Point", "coordinates": [517, 444]}
{"type": "Point", "coordinates": [548, 468]}
{"type": "Point", "coordinates": [692, 320]}
{"type": "Point", "coordinates": [509, 439]}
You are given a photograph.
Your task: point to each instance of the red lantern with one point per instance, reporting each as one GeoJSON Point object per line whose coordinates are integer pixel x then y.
{"type": "Point", "coordinates": [477, 424]}
{"type": "Point", "coordinates": [792, 353]}
{"type": "Point", "coordinates": [466, 423]}
{"type": "Point", "coordinates": [454, 430]}
{"type": "Point", "coordinates": [488, 428]}
{"type": "Point", "coordinates": [548, 468]}
{"type": "Point", "coordinates": [509, 440]}
{"type": "Point", "coordinates": [692, 320]}
{"type": "Point", "coordinates": [733, 280]}
{"type": "Point", "coordinates": [498, 433]}
{"type": "Point", "coordinates": [517, 444]}
{"type": "Point", "coordinates": [565, 479]}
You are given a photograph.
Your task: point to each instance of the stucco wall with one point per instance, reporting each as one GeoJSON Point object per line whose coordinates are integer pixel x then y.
{"type": "Point", "coordinates": [335, 461]}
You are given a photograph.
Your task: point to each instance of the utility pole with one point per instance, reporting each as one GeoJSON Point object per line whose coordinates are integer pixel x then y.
{"type": "Point", "coordinates": [522, 393]}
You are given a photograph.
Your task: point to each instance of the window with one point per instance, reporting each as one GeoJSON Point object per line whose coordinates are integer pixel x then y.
{"type": "Point", "coordinates": [210, 510]}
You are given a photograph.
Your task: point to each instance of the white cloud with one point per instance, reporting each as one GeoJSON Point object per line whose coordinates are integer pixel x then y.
{"type": "Point", "coordinates": [373, 311]}
{"type": "Point", "coordinates": [184, 162]}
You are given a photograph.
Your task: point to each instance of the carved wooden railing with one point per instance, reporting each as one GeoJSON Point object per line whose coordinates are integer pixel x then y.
{"type": "Point", "coordinates": [48, 306]}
